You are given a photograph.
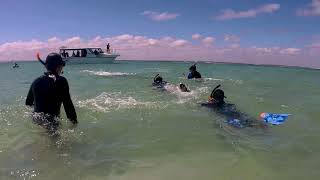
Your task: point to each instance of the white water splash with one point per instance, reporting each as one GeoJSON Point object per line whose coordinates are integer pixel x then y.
{"type": "Point", "coordinates": [184, 97]}
{"type": "Point", "coordinates": [213, 79]}
{"type": "Point", "coordinates": [107, 74]}
{"type": "Point", "coordinates": [107, 102]}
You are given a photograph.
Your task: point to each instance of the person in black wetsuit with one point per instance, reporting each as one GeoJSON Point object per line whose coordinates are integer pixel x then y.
{"type": "Point", "coordinates": [233, 116]}
{"type": "Point", "coordinates": [15, 65]}
{"type": "Point", "coordinates": [194, 73]}
{"type": "Point", "coordinates": [108, 48]}
{"type": "Point", "coordinates": [158, 81]}
{"type": "Point", "coordinates": [48, 92]}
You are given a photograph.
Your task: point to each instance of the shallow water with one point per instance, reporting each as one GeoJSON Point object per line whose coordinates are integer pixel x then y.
{"type": "Point", "coordinates": [130, 130]}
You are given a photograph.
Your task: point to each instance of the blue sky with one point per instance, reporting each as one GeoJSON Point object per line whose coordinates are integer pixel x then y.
{"type": "Point", "coordinates": [39, 19]}
{"type": "Point", "coordinates": [282, 26]}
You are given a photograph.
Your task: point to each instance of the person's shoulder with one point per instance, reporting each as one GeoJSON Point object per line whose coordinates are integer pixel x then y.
{"type": "Point", "coordinates": [38, 79]}
{"type": "Point", "coordinates": [62, 79]}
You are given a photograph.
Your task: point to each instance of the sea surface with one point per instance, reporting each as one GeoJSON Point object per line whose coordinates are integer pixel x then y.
{"type": "Point", "coordinates": [129, 130]}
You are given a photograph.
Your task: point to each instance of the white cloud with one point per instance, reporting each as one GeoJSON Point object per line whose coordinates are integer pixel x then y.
{"type": "Point", "coordinates": [231, 38]}
{"type": "Point", "coordinates": [208, 40]}
{"type": "Point", "coordinates": [124, 37]}
{"type": "Point", "coordinates": [157, 16]}
{"type": "Point", "coordinates": [179, 43]}
{"type": "Point", "coordinates": [133, 47]}
{"type": "Point", "coordinates": [228, 14]}
{"type": "Point", "coordinates": [313, 9]}
{"type": "Point", "coordinates": [235, 45]}
{"type": "Point", "coordinates": [196, 36]}
{"type": "Point", "coordinates": [290, 51]}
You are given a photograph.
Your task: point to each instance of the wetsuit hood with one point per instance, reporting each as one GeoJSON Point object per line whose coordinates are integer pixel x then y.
{"type": "Point", "coordinates": [54, 60]}
{"type": "Point", "coordinates": [218, 95]}
{"type": "Point", "coordinates": [193, 68]}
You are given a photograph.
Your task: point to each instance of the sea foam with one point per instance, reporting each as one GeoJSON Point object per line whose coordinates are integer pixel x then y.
{"type": "Point", "coordinates": [106, 73]}
{"type": "Point", "coordinates": [107, 102]}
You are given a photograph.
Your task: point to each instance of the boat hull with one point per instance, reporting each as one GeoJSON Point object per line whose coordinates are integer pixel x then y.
{"type": "Point", "coordinates": [90, 60]}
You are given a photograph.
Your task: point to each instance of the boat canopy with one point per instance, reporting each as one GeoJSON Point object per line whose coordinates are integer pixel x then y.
{"type": "Point", "coordinates": [74, 49]}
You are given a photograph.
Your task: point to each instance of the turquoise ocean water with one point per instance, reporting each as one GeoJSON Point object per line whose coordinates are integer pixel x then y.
{"type": "Point", "coordinates": [128, 130]}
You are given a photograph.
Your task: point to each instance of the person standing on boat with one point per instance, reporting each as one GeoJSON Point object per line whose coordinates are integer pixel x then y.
{"type": "Point", "coordinates": [48, 92]}
{"type": "Point", "coordinates": [108, 48]}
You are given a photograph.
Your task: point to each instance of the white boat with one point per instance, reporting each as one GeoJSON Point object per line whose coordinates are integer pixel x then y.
{"type": "Point", "coordinates": [87, 55]}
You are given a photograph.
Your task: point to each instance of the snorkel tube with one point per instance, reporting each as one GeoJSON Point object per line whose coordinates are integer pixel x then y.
{"type": "Point", "coordinates": [154, 79]}
{"type": "Point", "coordinates": [40, 60]}
{"type": "Point", "coordinates": [213, 91]}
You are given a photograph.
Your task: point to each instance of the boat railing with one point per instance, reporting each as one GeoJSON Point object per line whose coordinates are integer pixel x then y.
{"type": "Point", "coordinates": [111, 51]}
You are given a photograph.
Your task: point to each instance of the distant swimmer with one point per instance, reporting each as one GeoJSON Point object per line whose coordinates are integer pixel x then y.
{"type": "Point", "coordinates": [15, 65]}
{"type": "Point", "coordinates": [48, 92]}
{"type": "Point", "coordinates": [233, 116]}
{"type": "Point", "coordinates": [183, 88]}
{"type": "Point", "coordinates": [194, 73]}
{"type": "Point", "coordinates": [158, 81]}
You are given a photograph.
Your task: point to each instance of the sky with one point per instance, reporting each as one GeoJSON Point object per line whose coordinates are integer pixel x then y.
{"type": "Point", "coordinates": [283, 32]}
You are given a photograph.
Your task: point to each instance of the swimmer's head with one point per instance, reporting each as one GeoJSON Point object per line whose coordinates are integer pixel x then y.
{"type": "Point", "coordinates": [217, 95]}
{"type": "Point", "coordinates": [54, 63]}
{"type": "Point", "coordinates": [183, 87]}
{"type": "Point", "coordinates": [193, 68]}
{"type": "Point", "coordinates": [157, 79]}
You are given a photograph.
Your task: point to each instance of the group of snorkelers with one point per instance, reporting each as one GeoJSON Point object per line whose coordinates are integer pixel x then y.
{"type": "Point", "coordinates": [49, 91]}
{"type": "Point", "coordinates": [193, 74]}
{"type": "Point", "coordinates": [216, 101]}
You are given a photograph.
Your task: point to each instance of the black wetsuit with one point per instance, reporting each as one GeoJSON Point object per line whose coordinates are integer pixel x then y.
{"type": "Point", "coordinates": [47, 93]}
{"type": "Point", "coordinates": [229, 111]}
{"type": "Point", "coordinates": [194, 74]}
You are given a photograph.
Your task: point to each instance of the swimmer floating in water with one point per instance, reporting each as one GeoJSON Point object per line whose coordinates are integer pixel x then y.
{"type": "Point", "coordinates": [194, 73]}
{"type": "Point", "coordinates": [158, 81]}
{"type": "Point", "coordinates": [183, 88]}
{"type": "Point", "coordinates": [233, 116]}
